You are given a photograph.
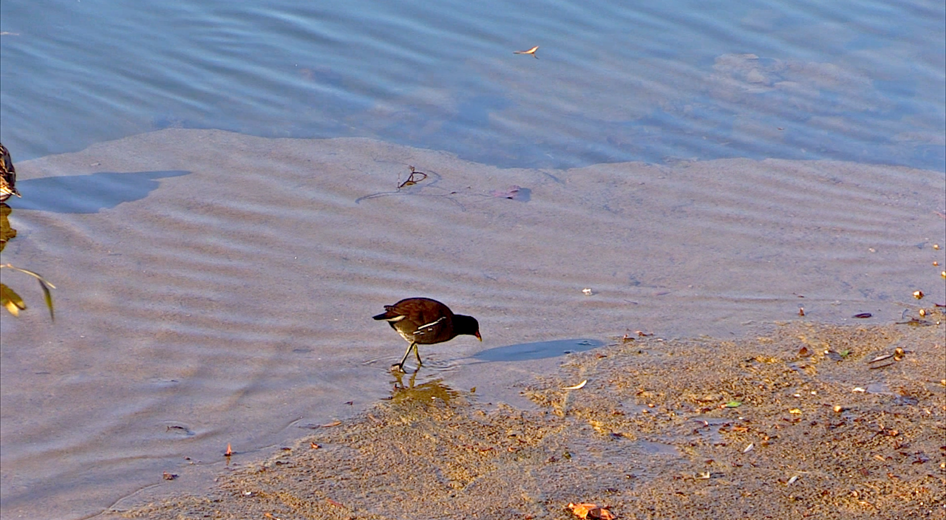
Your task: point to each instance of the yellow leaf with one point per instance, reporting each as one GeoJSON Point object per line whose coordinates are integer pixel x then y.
{"type": "Point", "coordinates": [11, 300]}
{"type": "Point", "coordinates": [593, 511]}
{"type": "Point", "coordinates": [48, 298]}
{"type": "Point", "coordinates": [12, 308]}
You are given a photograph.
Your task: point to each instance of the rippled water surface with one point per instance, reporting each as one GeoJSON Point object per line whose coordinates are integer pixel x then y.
{"type": "Point", "coordinates": [212, 188]}
{"type": "Point", "coordinates": [857, 81]}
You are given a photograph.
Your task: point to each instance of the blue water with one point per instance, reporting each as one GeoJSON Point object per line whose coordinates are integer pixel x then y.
{"type": "Point", "coordinates": [654, 82]}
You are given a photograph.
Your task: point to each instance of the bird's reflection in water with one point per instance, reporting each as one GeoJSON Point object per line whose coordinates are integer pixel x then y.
{"type": "Point", "coordinates": [6, 230]}
{"type": "Point", "coordinates": [431, 393]}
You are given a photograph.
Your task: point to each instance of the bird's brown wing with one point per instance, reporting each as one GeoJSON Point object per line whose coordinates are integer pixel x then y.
{"type": "Point", "coordinates": [427, 321]}
{"type": "Point", "coordinates": [432, 331]}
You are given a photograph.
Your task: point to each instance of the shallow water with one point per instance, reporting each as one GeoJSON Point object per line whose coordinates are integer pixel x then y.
{"type": "Point", "coordinates": [216, 288]}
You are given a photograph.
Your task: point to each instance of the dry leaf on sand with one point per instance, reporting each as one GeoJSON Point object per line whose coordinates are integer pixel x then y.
{"type": "Point", "coordinates": [584, 511]}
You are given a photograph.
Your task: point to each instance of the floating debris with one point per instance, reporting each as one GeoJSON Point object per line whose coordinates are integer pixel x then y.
{"type": "Point", "coordinates": [733, 404]}
{"type": "Point", "coordinates": [169, 476]}
{"type": "Point", "coordinates": [801, 311]}
{"type": "Point", "coordinates": [13, 302]}
{"type": "Point", "coordinates": [412, 179]}
{"type": "Point", "coordinates": [513, 192]}
{"type": "Point", "coordinates": [587, 291]}
{"type": "Point", "coordinates": [530, 51]}
{"type": "Point", "coordinates": [229, 451]}
{"type": "Point", "coordinates": [858, 390]}
{"type": "Point", "coordinates": [579, 386]}
{"type": "Point", "coordinates": [181, 429]}
{"type": "Point", "coordinates": [915, 322]}
{"type": "Point", "coordinates": [749, 448]}
{"type": "Point", "coordinates": [918, 295]}
{"type": "Point", "coordinates": [877, 363]}
{"type": "Point", "coordinates": [863, 315]}
{"type": "Point", "coordinates": [791, 480]}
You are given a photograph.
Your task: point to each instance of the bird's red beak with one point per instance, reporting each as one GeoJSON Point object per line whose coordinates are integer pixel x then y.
{"type": "Point", "coordinates": [478, 336]}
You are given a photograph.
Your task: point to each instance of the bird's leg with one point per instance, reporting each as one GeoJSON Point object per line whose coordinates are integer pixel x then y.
{"type": "Point", "coordinates": [400, 366]}
{"type": "Point", "coordinates": [417, 354]}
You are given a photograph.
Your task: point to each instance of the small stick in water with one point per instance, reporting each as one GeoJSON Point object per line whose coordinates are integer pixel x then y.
{"type": "Point", "coordinates": [530, 51]}
{"type": "Point", "coordinates": [411, 180]}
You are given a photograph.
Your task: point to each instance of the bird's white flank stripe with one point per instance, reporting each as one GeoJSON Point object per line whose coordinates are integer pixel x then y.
{"type": "Point", "coordinates": [421, 329]}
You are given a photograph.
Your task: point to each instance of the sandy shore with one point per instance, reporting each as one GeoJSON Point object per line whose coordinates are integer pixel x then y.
{"type": "Point", "coordinates": [793, 424]}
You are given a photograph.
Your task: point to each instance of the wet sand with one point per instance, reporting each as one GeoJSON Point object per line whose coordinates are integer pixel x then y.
{"type": "Point", "coordinates": [217, 288]}
{"type": "Point", "coordinates": [798, 423]}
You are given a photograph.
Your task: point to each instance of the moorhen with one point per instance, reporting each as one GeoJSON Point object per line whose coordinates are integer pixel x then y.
{"type": "Point", "coordinates": [425, 321]}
